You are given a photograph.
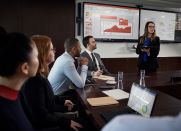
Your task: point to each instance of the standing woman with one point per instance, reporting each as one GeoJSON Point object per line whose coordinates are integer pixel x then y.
{"type": "Point", "coordinates": [148, 49]}
{"type": "Point", "coordinates": [38, 99]}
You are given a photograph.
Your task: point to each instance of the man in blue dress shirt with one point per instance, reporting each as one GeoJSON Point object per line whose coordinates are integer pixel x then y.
{"type": "Point", "coordinates": [64, 74]}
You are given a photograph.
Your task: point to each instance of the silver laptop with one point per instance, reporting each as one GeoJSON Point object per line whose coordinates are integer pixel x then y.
{"type": "Point", "coordinates": [141, 99]}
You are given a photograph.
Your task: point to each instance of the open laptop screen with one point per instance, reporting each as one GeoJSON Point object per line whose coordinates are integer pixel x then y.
{"type": "Point", "coordinates": [141, 99]}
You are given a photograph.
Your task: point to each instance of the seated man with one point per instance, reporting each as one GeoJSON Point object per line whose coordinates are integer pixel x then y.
{"type": "Point", "coordinates": [139, 123]}
{"type": "Point", "coordinates": [95, 65]}
{"type": "Point", "coordinates": [63, 74]}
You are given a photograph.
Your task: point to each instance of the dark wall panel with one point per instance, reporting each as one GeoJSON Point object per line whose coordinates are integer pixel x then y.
{"type": "Point", "coordinates": [130, 64]}
{"type": "Point", "coordinates": [52, 18]}
{"type": "Point", "coordinates": [10, 17]}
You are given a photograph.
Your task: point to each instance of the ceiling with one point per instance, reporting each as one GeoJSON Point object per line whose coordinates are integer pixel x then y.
{"type": "Point", "coordinates": [150, 3]}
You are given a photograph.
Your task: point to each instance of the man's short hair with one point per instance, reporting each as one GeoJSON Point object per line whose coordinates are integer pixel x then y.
{"type": "Point", "coordinates": [86, 40]}
{"type": "Point", "coordinates": [15, 49]}
{"type": "Point", "coordinates": [70, 43]}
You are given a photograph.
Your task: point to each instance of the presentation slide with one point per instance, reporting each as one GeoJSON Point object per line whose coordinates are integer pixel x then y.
{"type": "Point", "coordinates": [111, 22]}
{"type": "Point", "coordinates": [165, 23]}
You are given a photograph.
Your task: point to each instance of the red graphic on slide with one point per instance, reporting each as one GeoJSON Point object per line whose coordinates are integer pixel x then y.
{"type": "Point", "coordinates": [119, 30]}
{"type": "Point", "coordinates": [123, 22]}
{"type": "Point", "coordinates": [108, 17]}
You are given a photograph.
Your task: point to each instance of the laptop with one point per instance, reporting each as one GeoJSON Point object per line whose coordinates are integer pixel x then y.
{"type": "Point", "coordinates": [141, 101]}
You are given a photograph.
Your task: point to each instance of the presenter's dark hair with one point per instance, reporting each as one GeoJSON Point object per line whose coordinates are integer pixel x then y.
{"type": "Point", "coordinates": [14, 50]}
{"type": "Point", "coordinates": [86, 40]}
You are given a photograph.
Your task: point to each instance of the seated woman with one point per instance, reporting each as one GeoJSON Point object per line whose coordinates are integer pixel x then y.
{"type": "Point", "coordinates": [19, 61]}
{"type": "Point", "coordinates": [38, 100]}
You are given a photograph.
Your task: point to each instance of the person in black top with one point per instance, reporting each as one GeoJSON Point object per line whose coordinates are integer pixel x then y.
{"type": "Point", "coordinates": [148, 49]}
{"type": "Point", "coordinates": [38, 99]}
{"type": "Point", "coordinates": [19, 61]}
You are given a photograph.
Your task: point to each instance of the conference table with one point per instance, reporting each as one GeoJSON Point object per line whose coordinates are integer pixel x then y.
{"type": "Point", "coordinates": [164, 104]}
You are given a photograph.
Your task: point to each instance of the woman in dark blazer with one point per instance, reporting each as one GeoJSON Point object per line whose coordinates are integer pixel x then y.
{"type": "Point", "coordinates": [148, 49]}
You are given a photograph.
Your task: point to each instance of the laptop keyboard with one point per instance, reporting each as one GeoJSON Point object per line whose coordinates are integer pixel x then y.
{"type": "Point", "coordinates": [107, 116]}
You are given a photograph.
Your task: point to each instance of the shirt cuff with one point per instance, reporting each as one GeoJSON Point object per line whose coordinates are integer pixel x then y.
{"type": "Point", "coordinates": [92, 73]}
{"type": "Point", "coordinates": [84, 67]}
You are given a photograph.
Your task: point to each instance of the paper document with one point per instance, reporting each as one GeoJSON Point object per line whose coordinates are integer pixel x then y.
{"type": "Point", "coordinates": [105, 77]}
{"type": "Point", "coordinates": [101, 101]}
{"type": "Point", "coordinates": [116, 94]}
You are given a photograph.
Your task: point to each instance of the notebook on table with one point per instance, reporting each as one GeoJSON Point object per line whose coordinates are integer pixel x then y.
{"type": "Point", "coordinates": [101, 101]}
{"type": "Point", "coordinates": [141, 101]}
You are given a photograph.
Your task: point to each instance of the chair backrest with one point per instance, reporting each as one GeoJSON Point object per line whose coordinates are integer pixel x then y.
{"type": "Point", "coordinates": [25, 105]}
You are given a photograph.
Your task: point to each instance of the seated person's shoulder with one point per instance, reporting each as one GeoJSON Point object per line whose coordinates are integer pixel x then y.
{"type": "Point", "coordinates": [83, 53]}
{"type": "Point", "coordinates": [97, 54]}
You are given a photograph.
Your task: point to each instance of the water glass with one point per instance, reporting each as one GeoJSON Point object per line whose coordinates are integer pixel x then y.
{"type": "Point", "coordinates": [142, 73]}
{"type": "Point", "coordinates": [142, 77]}
{"type": "Point", "coordinates": [120, 80]}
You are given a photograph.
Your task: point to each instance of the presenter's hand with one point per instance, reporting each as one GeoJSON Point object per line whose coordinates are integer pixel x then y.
{"type": "Point", "coordinates": [147, 50]}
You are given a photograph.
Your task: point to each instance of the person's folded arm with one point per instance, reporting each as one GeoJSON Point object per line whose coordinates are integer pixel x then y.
{"type": "Point", "coordinates": [139, 46]}
{"type": "Point", "coordinates": [40, 112]}
{"type": "Point", "coordinates": [103, 68]}
{"type": "Point", "coordinates": [60, 99]}
{"type": "Point", "coordinates": [71, 72]}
